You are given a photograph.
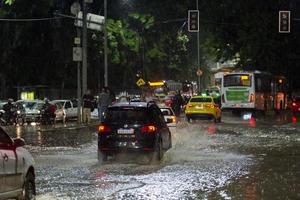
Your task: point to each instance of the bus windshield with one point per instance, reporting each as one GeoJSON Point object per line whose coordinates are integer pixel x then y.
{"type": "Point", "coordinates": [237, 80]}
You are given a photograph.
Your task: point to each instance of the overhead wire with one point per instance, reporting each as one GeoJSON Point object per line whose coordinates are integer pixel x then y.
{"type": "Point", "coordinates": [29, 19]}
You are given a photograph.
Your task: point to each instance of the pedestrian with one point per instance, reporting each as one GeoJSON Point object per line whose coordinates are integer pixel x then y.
{"type": "Point", "coordinates": [87, 107]}
{"type": "Point", "coordinates": [112, 96]}
{"type": "Point", "coordinates": [103, 102]}
{"type": "Point", "coordinates": [177, 103]}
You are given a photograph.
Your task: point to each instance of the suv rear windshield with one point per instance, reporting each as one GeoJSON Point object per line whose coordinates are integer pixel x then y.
{"type": "Point", "coordinates": [203, 100]}
{"type": "Point", "coordinates": [128, 115]}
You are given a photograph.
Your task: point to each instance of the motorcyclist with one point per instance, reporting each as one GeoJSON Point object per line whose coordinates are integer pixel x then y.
{"type": "Point", "coordinates": [177, 103]}
{"type": "Point", "coordinates": [9, 109]}
{"type": "Point", "coordinates": [48, 114]}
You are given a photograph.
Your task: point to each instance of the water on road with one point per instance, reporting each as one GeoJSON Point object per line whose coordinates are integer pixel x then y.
{"type": "Point", "coordinates": [236, 159]}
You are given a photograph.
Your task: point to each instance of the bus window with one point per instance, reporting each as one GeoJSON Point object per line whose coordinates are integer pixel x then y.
{"type": "Point", "coordinates": [237, 80]}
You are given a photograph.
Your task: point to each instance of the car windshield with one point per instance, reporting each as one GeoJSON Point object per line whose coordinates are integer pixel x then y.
{"type": "Point", "coordinates": [201, 99]}
{"type": "Point", "coordinates": [38, 106]}
{"type": "Point", "coordinates": [127, 115]}
{"type": "Point", "coordinates": [28, 104]}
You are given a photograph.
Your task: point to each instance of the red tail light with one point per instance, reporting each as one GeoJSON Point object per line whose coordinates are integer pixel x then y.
{"type": "Point", "coordinates": [148, 129]}
{"type": "Point", "coordinates": [294, 104]}
{"type": "Point", "coordinates": [252, 98]}
{"type": "Point", "coordinates": [103, 128]}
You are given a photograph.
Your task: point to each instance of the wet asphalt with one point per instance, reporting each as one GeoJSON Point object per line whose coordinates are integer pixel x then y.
{"type": "Point", "coordinates": [257, 158]}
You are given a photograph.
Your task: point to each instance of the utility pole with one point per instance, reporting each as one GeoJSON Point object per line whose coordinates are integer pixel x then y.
{"type": "Point", "coordinates": [198, 55]}
{"type": "Point", "coordinates": [84, 48]}
{"type": "Point", "coordinates": [105, 45]}
{"type": "Point", "coordinates": [79, 95]}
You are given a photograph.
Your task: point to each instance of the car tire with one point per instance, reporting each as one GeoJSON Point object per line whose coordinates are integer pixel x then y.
{"type": "Point", "coordinates": [170, 140]}
{"type": "Point", "coordinates": [215, 119]}
{"type": "Point", "coordinates": [102, 157]}
{"type": "Point", "coordinates": [28, 191]}
{"type": "Point", "coordinates": [220, 119]}
{"type": "Point", "coordinates": [188, 119]}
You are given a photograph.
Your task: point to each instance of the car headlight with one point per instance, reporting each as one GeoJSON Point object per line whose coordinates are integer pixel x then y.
{"type": "Point", "coordinates": [18, 112]}
{"type": "Point", "coordinates": [38, 112]}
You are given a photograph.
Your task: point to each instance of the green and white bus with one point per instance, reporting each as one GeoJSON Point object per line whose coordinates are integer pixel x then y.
{"type": "Point", "coordinates": [247, 91]}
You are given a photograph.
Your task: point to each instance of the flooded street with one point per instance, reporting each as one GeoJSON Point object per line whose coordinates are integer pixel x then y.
{"type": "Point", "coordinates": [236, 159]}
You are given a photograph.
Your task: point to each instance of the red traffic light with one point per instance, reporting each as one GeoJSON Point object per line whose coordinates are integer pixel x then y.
{"type": "Point", "coordinates": [193, 20]}
{"type": "Point", "coordinates": [284, 21]}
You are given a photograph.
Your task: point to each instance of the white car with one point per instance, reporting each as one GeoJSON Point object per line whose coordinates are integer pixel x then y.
{"type": "Point", "coordinates": [17, 175]}
{"type": "Point", "coordinates": [169, 116]}
{"type": "Point", "coordinates": [32, 109]}
{"type": "Point", "coordinates": [65, 109]}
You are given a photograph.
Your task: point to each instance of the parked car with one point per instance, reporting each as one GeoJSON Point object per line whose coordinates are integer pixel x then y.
{"type": "Point", "coordinates": [17, 173]}
{"type": "Point", "coordinates": [65, 109]}
{"type": "Point", "coordinates": [169, 116]}
{"type": "Point", "coordinates": [200, 107]}
{"type": "Point", "coordinates": [133, 127]}
{"type": "Point", "coordinates": [295, 105]}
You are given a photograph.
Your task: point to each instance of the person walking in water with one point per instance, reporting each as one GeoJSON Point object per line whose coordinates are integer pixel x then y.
{"type": "Point", "coordinates": [103, 102]}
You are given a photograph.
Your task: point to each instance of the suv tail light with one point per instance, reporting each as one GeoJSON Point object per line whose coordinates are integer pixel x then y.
{"type": "Point", "coordinates": [294, 104]}
{"type": "Point", "coordinates": [148, 129]}
{"type": "Point", "coordinates": [104, 128]}
{"type": "Point", "coordinates": [190, 106]}
{"type": "Point", "coordinates": [209, 106]}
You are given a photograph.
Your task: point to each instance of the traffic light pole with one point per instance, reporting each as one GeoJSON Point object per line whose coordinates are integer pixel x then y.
{"type": "Point", "coordinates": [78, 84]}
{"type": "Point", "coordinates": [84, 49]}
{"type": "Point", "coordinates": [198, 54]}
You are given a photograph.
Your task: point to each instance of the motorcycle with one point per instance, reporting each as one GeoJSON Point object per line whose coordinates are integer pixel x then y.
{"type": "Point", "coordinates": [47, 117]}
{"type": "Point", "coordinates": [2, 119]}
{"type": "Point", "coordinates": [8, 118]}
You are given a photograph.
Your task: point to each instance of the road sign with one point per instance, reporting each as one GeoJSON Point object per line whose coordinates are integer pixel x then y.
{"type": "Point", "coordinates": [199, 72]}
{"type": "Point", "coordinates": [94, 22]}
{"type": "Point", "coordinates": [77, 54]}
{"type": "Point", "coordinates": [140, 82]}
{"type": "Point", "coordinates": [284, 21]}
{"type": "Point", "coordinates": [77, 40]}
{"type": "Point", "coordinates": [193, 20]}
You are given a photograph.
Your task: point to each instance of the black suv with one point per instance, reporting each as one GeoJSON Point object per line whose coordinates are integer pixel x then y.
{"type": "Point", "coordinates": [133, 127]}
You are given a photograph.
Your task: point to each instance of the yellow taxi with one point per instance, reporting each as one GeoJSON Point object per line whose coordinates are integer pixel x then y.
{"type": "Point", "coordinates": [200, 107]}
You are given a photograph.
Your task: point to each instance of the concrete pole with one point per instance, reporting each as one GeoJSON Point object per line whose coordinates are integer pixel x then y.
{"type": "Point", "coordinates": [105, 45]}
{"type": "Point", "coordinates": [84, 49]}
{"type": "Point", "coordinates": [79, 95]}
{"type": "Point", "coordinates": [198, 54]}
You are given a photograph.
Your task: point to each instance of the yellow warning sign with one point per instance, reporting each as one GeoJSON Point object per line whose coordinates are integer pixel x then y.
{"type": "Point", "coordinates": [140, 82]}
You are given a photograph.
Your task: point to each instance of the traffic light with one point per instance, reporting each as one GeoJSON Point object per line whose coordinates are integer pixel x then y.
{"type": "Point", "coordinates": [193, 20]}
{"type": "Point", "coordinates": [284, 21]}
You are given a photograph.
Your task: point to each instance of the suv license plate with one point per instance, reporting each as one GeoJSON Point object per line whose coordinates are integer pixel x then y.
{"type": "Point", "coordinates": [125, 131]}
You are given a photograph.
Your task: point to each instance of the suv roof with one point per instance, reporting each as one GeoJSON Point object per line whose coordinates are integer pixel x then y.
{"type": "Point", "coordinates": [133, 104]}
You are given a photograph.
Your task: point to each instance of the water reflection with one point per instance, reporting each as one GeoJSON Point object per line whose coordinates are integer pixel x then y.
{"type": "Point", "coordinates": [252, 122]}
{"type": "Point", "coordinates": [52, 136]}
{"type": "Point", "coordinates": [294, 119]}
